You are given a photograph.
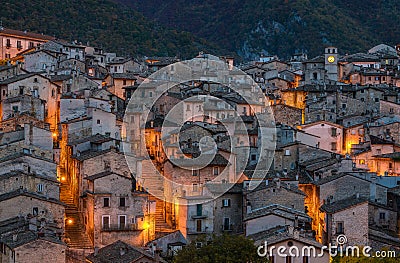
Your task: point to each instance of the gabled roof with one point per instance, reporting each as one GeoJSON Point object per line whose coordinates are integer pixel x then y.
{"type": "Point", "coordinates": [377, 140]}
{"type": "Point", "coordinates": [24, 34]}
{"type": "Point", "coordinates": [19, 173]}
{"type": "Point", "coordinates": [89, 154]}
{"type": "Point", "coordinates": [97, 138]}
{"type": "Point", "coordinates": [17, 78]}
{"type": "Point", "coordinates": [320, 122]}
{"type": "Point", "coordinates": [218, 160]}
{"type": "Point", "coordinates": [283, 185]}
{"type": "Point", "coordinates": [393, 156]}
{"type": "Point", "coordinates": [276, 209]}
{"type": "Point", "coordinates": [104, 174]}
{"type": "Point", "coordinates": [25, 238]}
{"type": "Point", "coordinates": [343, 204]}
{"type": "Point", "coordinates": [123, 76]}
{"type": "Point", "coordinates": [119, 252]}
{"type": "Point", "coordinates": [279, 234]}
{"type": "Point", "coordinates": [24, 76]}
{"type": "Point", "coordinates": [23, 192]}
{"type": "Point", "coordinates": [217, 188]}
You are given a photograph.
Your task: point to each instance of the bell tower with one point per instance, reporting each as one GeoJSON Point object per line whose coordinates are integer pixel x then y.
{"type": "Point", "coordinates": [331, 63]}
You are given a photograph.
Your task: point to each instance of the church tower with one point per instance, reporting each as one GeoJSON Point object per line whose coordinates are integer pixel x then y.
{"type": "Point", "coordinates": [331, 63]}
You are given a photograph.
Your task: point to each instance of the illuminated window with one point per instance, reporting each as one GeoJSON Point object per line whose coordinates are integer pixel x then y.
{"type": "Point", "coordinates": [362, 161]}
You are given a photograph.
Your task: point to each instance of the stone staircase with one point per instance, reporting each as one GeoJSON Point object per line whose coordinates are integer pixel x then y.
{"type": "Point", "coordinates": [155, 186]}
{"type": "Point", "coordinates": [162, 227]}
{"type": "Point", "coordinates": [151, 181]}
{"type": "Point", "coordinates": [76, 237]}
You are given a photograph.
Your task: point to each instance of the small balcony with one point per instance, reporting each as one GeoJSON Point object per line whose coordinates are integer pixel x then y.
{"type": "Point", "coordinates": [202, 215]}
{"type": "Point", "coordinates": [227, 228]}
{"type": "Point", "coordinates": [122, 227]}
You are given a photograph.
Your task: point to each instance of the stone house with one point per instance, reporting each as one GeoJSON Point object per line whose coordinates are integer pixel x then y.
{"type": "Point", "coordinates": [41, 60]}
{"type": "Point", "coordinates": [124, 65]}
{"type": "Point", "coordinates": [37, 86]}
{"type": "Point", "coordinates": [114, 210]}
{"type": "Point", "coordinates": [361, 221]}
{"type": "Point", "coordinates": [27, 246]}
{"type": "Point", "coordinates": [335, 188]}
{"type": "Point", "coordinates": [275, 192]}
{"type": "Point", "coordinates": [195, 216]}
{"type": "Point", "coordinates": [21, 202]}
{"type": "Point", "coordinates": [23, 105]}
{"type": "Point", "coordinates": [32, 182]}
{"type": "Point", "coordinates": [11, 71]}
{"type": "Point", "coordinates": [228, 207]}
{"type": "Point", "coordinates": [388, 108]}
{"type": "Point", "coordinates": [71, 50]}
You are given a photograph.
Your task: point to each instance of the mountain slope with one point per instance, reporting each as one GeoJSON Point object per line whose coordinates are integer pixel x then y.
{"type": "Point", "coordinates": [102, 23]}
{"type": "Point", "coordinates": [281, 27]}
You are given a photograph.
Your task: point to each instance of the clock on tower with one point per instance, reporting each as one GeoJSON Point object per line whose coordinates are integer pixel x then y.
{"type": "Point", "coordinates": [331, 63]}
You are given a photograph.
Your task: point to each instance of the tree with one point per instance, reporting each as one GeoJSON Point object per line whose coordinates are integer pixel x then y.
{"type": "Point", "coordinates": [225, 248]}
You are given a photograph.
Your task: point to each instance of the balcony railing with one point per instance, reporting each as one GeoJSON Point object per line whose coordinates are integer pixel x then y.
{"type": "Point", "coordinates": [227, 228]}
{"type": "Point", "coordinates": [123, 227]}
{"type": "Point", "coordinates": [199, 216]}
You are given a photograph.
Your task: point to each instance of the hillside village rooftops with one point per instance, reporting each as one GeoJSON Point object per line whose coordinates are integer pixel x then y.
{"type": "Point", "coordinates": [360, 57]}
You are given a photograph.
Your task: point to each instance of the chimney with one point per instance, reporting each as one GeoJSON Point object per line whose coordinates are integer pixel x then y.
{"type": "Point", "coordinates": [248, 208]}
{"type": "Point", "coordinates": [296, 234]}
{"type": "Point", "coordinates": [278, 184]}
{"type": "Point", "coordinates": [291, 230]}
